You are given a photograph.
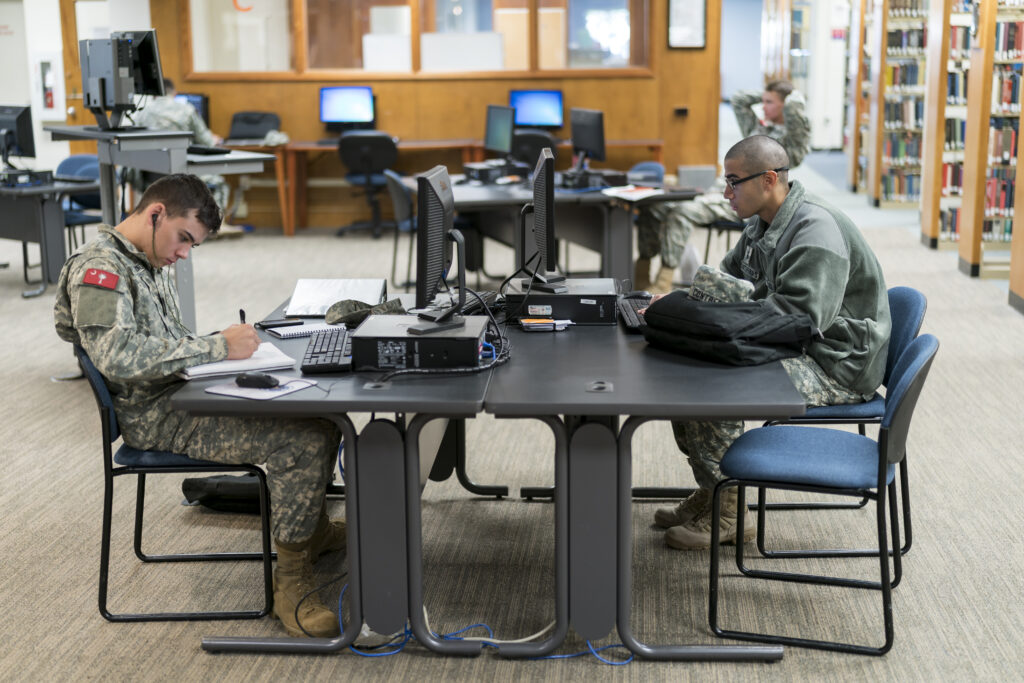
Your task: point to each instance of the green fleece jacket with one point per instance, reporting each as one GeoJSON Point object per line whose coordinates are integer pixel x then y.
{"type": "Point", "coordinates": [812, 259]}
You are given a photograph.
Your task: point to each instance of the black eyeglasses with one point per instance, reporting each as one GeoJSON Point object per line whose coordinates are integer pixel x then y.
{"type": "Point", "coordinates": [739, 181]}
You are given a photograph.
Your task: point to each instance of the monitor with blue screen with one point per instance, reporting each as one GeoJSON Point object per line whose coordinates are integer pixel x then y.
{"type": "Point", "coordinates": [347, 107]}
{"type": "Point", "coordinates": [201, 103]}
{"type": "Point", "coordinates": [537, 108]}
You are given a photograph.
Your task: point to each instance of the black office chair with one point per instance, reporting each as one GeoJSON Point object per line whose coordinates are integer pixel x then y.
{"type": "Point", "coordinates": [405, 221]}
{"type": "Point", "coordinates": [140, 463]}
{"type": "Point", "coordinates": [253, 125]}
{"type": "Point", "coordinates": [722, 225]}
{"type": "Point", "coordinates": [367, 153]}
{"type": "Point", "coordinates": [528, 142]}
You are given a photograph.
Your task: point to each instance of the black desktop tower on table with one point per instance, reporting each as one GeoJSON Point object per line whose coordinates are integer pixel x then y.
{"type": "Point", "coordinates": [384, 341]}
{"type": "Point", "coordinates": [588, 301]}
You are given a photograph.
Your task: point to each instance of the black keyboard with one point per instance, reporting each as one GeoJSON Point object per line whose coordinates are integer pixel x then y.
{"type": "Point", "coordinates": [328, 351]}
{"type": "Point", "coordinates": [629, 309]}
{"type": "Point", "coordinates": [203, 149]}
{"type": "Point", "coordinates": [472, 306]}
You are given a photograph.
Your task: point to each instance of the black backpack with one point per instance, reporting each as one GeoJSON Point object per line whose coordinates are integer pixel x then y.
{"type": "Point", "coordinates": [743, 333]}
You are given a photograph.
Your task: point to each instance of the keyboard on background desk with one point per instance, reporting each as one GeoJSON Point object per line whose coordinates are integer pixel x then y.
{"type": "Point", "coordinates": [328, 351]}
{"type": "Point", "coordinates": [204, 149]}
{"type": "Point", "coordinates": [473, 307]}
{"type": "Point", "coordinates": [629, 312]}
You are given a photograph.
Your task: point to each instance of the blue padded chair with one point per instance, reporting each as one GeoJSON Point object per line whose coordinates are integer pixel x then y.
{"type": "Point", "coordinates": [405, 221]}
{"type": "Point", "coordinates": [76, 214]}
{"type": "Point", "coordinates": [833, 462]}
{"type": "Point", "coordinates": [367, 153]}
{"type": "Point", "coordinates": [140, 463]}
{"type": "Point", "coordinates": [646, 172]}
{"type": "Point", "coordinates": [907, 307]}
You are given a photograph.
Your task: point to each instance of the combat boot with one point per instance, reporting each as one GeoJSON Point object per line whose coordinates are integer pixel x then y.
{"type": "Point", "coordinates": [293, 579]}
{"type": "Point", "coordinates": [696, 533]}
{"type": "Point", "coordinates": [642, 274]}
{"type": "Point", "coordinates": [330, 535]}
{"type": "Point", "coordinates": [667, 518]}
{"type": "Point", "coordinates": [663, 283]}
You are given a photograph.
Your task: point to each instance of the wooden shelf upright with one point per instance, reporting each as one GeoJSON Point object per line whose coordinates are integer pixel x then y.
{"type": "Point", "coordinates": [857, 96]}
{"type": "Point", "coordinates": [948, 29]}
{"type": "Point", "coordinates": [973, 233]}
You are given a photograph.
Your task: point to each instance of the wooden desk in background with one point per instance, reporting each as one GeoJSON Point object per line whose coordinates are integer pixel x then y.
{"type": "Point", "coordinates": [295, 169]}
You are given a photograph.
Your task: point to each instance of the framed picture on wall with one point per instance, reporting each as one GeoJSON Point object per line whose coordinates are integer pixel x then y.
{"type": "Point", "coordinates": [687, 23]}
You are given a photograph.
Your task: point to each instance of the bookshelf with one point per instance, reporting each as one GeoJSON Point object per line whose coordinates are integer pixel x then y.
{"type": "Point", "coordinates": [990, 139]}
{"type": "Point", "coordinates": [897, 39]}
{"type": "Point", "coordinates": [942, 172]}
{"type": "Point", "coordinates": [857, 89]}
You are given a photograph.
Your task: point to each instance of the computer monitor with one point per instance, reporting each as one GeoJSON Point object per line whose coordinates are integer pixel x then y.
{"type": "Point", "coordinates": [544, 277]}
{"type": "Point", "coordinates": [347, 107]}
{"type": "Point", "coordinates": [499, 129]}
{"type": "Point", "coordinates": [117, 69]}
{"type": "Point", "coordinates": [16, 137]}
{"type": "Point", "coordinates": [201, 103]}
{"type": "Point", "coordinates": [587, 135]}
{"type": "Point", "coordinates": [537, 108]}
{"type": "Point", "coordinates": [435, 217]}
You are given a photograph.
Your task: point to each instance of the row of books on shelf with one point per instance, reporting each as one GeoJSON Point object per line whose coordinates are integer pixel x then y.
{"type": "Point", "coordinates": [1006, 88]}
{"type": "Point", "coordinates": [949, 224]}
{"type": "Point", "coordinates": [992, 230]}
{"type": "Point", "coordinates": [908, 8]}
{"type": "Point", "coordinates": [907, 112]}
{"type": "Point", "coordinates": [911, 40]}
{"type": "Point", "coordinates": [999, 191]}
{"type": "Point", "coordinates": [959, 42]}
{"type": "Point", "coordinates": [956, 87]}
{"type": "Point", "coordinates": [1002, 140]}
{"type": "Point", "coordinates": [952, 179]}
{"type": "Point", "coordinates": [1009, 43]}
{"type": "Point", "coordinates": [906, 73]}
{"type": "Point", "coordinates": [955, 131]}
{"type": "Point", "coordinates": [901, 186]}
{"type": "Point", "coordinates": [901, 149]}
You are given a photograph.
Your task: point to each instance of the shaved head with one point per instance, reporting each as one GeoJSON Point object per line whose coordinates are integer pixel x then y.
{"type": "Point", "coordinates": [758, 153]}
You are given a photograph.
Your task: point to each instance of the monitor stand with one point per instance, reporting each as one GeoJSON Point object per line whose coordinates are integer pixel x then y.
{"type": "Point", "coordinates": [550, 282]}
{"type": "Point", "coordinates": [449, 318]}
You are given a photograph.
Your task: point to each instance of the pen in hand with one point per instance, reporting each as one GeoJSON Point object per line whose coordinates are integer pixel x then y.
{"type": "Point", "coordinates": [241, 315]}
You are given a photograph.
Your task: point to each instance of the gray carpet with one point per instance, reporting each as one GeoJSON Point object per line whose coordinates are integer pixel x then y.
{"type": "Point", "coordinates": [958, 613]}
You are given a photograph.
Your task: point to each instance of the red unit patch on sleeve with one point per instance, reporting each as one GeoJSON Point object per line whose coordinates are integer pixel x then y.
{"type": "Point", "coordinates": [101, 278]}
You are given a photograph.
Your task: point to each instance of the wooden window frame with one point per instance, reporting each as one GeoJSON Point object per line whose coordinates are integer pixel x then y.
{"type": "Point", "coordinates": [301, 71]}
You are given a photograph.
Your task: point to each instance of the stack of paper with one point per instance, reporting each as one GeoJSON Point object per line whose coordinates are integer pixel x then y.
{"type": "Point", "coordinates": [312, 297]}
{"type": "Point", "coordinates": [267, 357]}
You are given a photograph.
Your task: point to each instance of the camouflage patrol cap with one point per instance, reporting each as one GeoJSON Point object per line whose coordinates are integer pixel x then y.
{"type": "Point", "coordinates": [352, 312]}
{"type": "Point", "coordinates": [711, 284]}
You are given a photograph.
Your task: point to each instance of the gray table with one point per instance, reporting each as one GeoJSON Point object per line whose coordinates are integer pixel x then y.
{"type": "Point", "coordinates": [577, 382]}
{"type": "Point", "coordinates": [159, 151]}
{"type": "Point", "coordinates": [33, 213]}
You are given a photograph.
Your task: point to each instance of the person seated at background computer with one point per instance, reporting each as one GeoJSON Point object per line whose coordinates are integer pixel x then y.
{"type": "Point", "coordinates": [664, 228]}
{"type": "Point", "coordinates": [167, 113]}
{"type": "Point", "coordinates": [117, 300]}
{"type": "Point", "coordinates": [802, 256]}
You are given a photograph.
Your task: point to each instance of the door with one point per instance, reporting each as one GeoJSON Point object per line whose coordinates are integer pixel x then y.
{"type": "Point", "coordinates": [96, 14]}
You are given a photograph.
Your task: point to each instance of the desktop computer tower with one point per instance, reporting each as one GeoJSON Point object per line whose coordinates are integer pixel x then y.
{"type": "Point", "coordinates": [384, 341]}
{"type": "Point", "coordinates": [588, 301]}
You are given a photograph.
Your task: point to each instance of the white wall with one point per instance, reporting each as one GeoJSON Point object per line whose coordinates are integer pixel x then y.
{"type": "Point", "coordinates": [41, 16]}
{"type": "Point", "coordinates": [741, 46]}
{"type": "Point", "coordinates": [131, 15]}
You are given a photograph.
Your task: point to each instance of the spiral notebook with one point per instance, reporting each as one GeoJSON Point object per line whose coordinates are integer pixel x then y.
{"type": "Point", "coordinates": [293, 331]}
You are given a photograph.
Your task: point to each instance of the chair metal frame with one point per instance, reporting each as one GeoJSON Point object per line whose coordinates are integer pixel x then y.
{"type": "Point", "coordinates": [183, 464]}
{"type": "Point", "coordinates": [904, 309]}
{"type": "Point", "coordinates": [367, 153]}
{"type": "Point", "coordinates": [891, 446]}
{"type": "Point", "coordinates": [401, 202]}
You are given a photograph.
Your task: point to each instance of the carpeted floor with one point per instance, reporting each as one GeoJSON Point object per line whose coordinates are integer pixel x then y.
{"type": "Point", "coordinates": [958, 613]}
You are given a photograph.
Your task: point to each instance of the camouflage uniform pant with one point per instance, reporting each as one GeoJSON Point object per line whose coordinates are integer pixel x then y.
{"type": "Point", "coordinates": [664, 228]}
{"type": "Point", "coordinates": [299, 456]}
{"type": "Point", "coordinates": [705, 443]}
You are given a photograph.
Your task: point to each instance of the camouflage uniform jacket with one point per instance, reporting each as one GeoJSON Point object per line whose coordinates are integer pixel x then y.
{"type": "Point", "coordinates": [794, 134]}
{"type": "Point", "coordinates": [130, 324]}
{"type": "Point", "coordinates": [812, 259]}
{"type": "Point", "coordinates": [167, 113]}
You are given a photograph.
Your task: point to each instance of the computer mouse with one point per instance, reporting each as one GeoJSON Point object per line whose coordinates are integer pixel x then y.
{"type": "Point", "coordinates": [637, 294]}
{"type": "Point", "coordinates": [256, 380]}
